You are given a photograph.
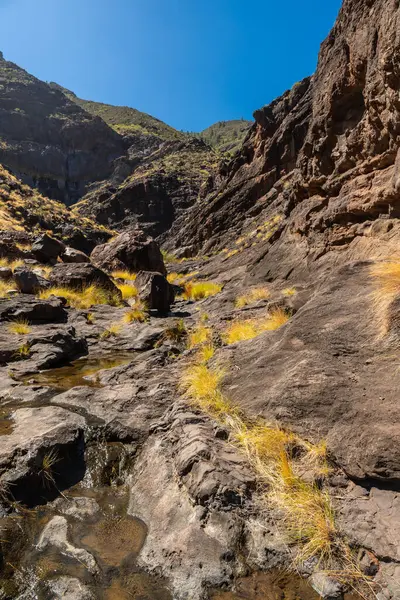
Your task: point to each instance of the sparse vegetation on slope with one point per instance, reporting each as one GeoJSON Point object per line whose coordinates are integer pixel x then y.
{"type": "Point", "coordinates": [247, 329]}
{"type": "Point", "coordinates": [227, 136]}
{"type": "Point", "coordinates": [126, 120]}
{"type": "Point", "coordinates": [25, 209]}
{"type": "Point", "coordinates": [275, 455]}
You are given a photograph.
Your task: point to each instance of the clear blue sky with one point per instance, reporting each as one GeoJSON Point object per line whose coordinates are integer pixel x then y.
{"type": "Point", "coordinates": [188, 62]}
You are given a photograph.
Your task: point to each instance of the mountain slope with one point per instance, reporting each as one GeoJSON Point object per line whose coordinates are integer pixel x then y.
{"type": "Point", "coordinates": [226, 136]}
{"type": "Point", "coordinates": [50, 141]}
{"type": "Point", "coordinates": [124, 119]}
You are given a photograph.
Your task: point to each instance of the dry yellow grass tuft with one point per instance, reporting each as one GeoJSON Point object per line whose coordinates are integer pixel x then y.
{"type": "Point", "coordinates": [247, 329]}
{"type": "Point", "coordinates": [24, 351]}
{"type": "Point", "coordinates": [386, 278]}
{"type": "Point", "coordinates": [254, 295]}
{"type": "Point", "coordinates": [112, 331]}
{"type": "Point", "coordinates": [6, 287]}
{"type": "Point", "coordinates": [128, 290]}
{"type": "Point", "coordinates": [205, 353]}
{"type": "Point", "coordinates": [85, 298]}
{"type": "Point", "coordinates": [125, 275]}
{"type": "Point", "coordinates": [199, 335]}
{"type": "Point", "coordinates": [289, 291]}
{"type": "Point", "coordinates": [11, 264]}
{"type": "Point", "coordinates": [137, 314]}
{"type": "Point", "coordinates": [197, 290]}
{"type": "Point", "coordinates": [200, 384]}
{"type": "Point", "coordinates": [20, 327]}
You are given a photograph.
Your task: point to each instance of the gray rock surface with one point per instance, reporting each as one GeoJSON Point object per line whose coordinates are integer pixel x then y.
{"type": "Point", "coordinates": [131, 250]}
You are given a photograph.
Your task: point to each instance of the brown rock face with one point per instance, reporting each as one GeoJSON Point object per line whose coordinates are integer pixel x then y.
{"type": "Point", "coordinates": [323, 154]}
{"type": "Point", "coordinates": [131, 250]}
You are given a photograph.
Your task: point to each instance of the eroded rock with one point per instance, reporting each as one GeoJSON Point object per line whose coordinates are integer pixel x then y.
{"type": "Point", "coordinates": [131, 250]}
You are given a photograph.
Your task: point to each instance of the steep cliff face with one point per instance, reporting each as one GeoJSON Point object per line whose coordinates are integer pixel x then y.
{"type": "Point", "coordinates": [48, 140]}
{"type": "Point", "coordinates": [161, 187]}
{"type": "Point", "coordinates": [323, 155]}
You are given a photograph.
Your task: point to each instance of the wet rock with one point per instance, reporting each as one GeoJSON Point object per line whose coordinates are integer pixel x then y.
{"type": "Point", "coordinates": [131, 250]}
{"type": "Point", "coordinates": [81, 275]}
{"type": "Point", "coordinates": [71, 255]}
{"type": "Point", "coordinates": [56, 345]}
{"type": "Point", "coordinates": [33, 310]}
{"type": "Point", "coordinates": [56, 534]}
{"type": "Point", "coordinates": [47, 249]}
{"type": "Point", "coordinates": [77, 507]}
{"type": "Point", "coordinates": [212, 470]}
{"type": "Point", "coordinates": [37, 432]}
{"type": "Point", "coordinates": [155, 291]}
{"type": "Point", "coordinates": [68, 588]}
{"type": "Point", "coordinates": [5, 273]}
{"type": "Point", "coordinates": [177, 531]}
{"type": "Point", "coordinates": [326, 586]}
{"type": "Point", "coordinates": [29, 282]}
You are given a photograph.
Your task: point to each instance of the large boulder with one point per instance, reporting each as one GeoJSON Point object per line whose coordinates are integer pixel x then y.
{"type": "Point", "coordinates": [155, 291]}
{"type": "Point", "coordinates": [33, 310]}
{"type": "Point", "coordinates": [47, 249]}
{"type": "Point", "coordinates": [5, 273]}
{"type": "Point", "coordinates": [29, 282]}
{"type": "Point", "coordinates": [132, 250]}
{"type": "Point", "coordinates": [71, 255]}
{"type": "Point", "coordinates": [79, 276]}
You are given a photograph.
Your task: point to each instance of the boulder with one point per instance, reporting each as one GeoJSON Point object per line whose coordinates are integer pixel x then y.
{"type": "Point", "coordinates": [5, 273]}
{"type": "Point", "coordinates": [131, 250]}
{"type": "Point", "coordinates": [155, 291]}
{"type": "Point", "coordinates": [70, 255]}
{"type": "Point", "coordinates": [47, 249]}
{"type": "Point", "coordinates": [79, 276]}
{"type": "Point", "coordinates": [33, 310]}
{"type": "Point", "coordinates": [29, 282]}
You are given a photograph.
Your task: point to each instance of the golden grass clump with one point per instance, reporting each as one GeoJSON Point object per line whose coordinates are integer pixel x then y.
{"type": "Point", "coordinates": [387, 276]}
{"type": "Point", "coordinates": [200, 384]}
{"type": "Point", "coordinates": [11, 264]}
{"type": "Point", "coordinates": [135, 315]}
{"type": "Point", "coordinates": [247, 329]}
{"type": "Point", "coordinates": [128, 290]}
{"type": "Point", "coordinates": [125, 275]}
{"type": "Point", "coordinates": [20, 327]}
{"type": "Point", "coordinates": [5, 287]}
{"type": "Point", "coordinates": [24, 351]}
{"type": "Point", "coordinates": [254, 295]}
{"type": "Point", "coordinates": [290, 291]}
{"type": "Point", "coordinates": [205, 353]}
{"type": "Point", "coordinates": [85, 298]}
{"type": "Point", "coordinates": [199, 335]}
{"type": "Point", "coordinates": [261, 440]}
{"type": "Point", "coordinates": [308, 517]}
{"type": "Point", "coordinates": [197, 290]}
{"type": "Point", "coordinates": [112, 331]}
{"type": "Point", "coordinates": [386, 279]}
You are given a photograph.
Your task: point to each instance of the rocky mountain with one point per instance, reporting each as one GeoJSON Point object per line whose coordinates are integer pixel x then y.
{"type": "Point", "coordinates": [220, 421]}
{"type": "Point", "coordinates": [49, 141]}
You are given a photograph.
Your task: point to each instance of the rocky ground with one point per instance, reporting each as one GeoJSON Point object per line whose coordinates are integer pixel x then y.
{"type": "Point", "coordinates": [98, 438]}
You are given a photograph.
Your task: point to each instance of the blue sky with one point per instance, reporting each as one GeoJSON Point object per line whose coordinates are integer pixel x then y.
{"type": "Point", "coordinates": [188, 62]}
